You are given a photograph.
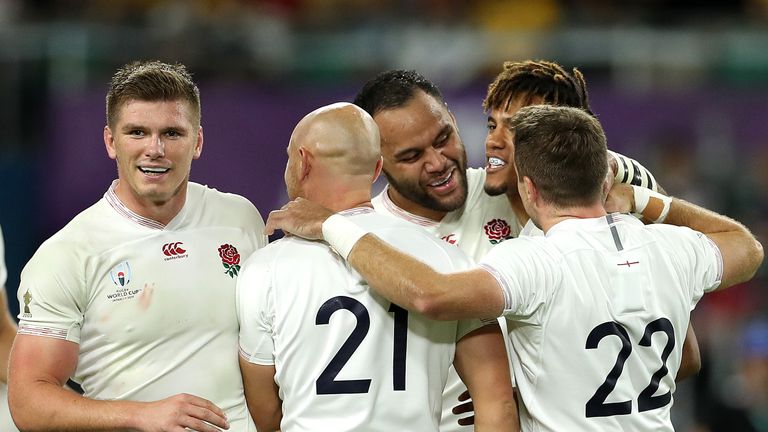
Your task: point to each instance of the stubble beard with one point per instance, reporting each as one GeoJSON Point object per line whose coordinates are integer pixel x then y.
{"type": "Point", "coordinates": [413, 192]}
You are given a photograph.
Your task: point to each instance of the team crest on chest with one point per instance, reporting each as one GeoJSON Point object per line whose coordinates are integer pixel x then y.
{"type": "Point", "coordinates": [497, 230]}
{"type": "Point", "coordinates": [121, 274]}
{"type": "Point", "coordinates": [230, 257]}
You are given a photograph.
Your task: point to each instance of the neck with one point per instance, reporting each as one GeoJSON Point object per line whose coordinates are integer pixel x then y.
{"type": "Point", "coordinates": [413, 208]}
{"type": "Point", "coordinates": [551, 215]}
{"type": "Point", "coordinates": [337, 199]}
{"type": "Point", "coordinates": [159, 211]}
{"type": "Point", "coordinates": [517, 205]}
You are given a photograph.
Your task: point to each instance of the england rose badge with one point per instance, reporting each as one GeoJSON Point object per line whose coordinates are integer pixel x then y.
{"type": "Point", "coordinates": [230, 258]}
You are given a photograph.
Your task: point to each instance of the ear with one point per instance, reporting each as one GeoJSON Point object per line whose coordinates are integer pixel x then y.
{"type": "Point", "coordinates": [109, 143]}
{"type": "Point", "coordinates": [306, 162]}
{"type": "Point", "coordinates": [198, 144]}
{"type": "Point", "coordinates": [530, 190]}
{"type": "Point", "coordinates": [377, 171]}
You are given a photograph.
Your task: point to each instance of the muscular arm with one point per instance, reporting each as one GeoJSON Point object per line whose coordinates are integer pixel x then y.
{"type": "Point", "coordinates": [261, 394]}
{"type": "Point", "coordinates": [742, 253]}
{"type": "Point", "coordinates": [415, 286]}
{"type": "Point", "coordinates": [481, 362]}
{"type": "Point", "coordinates": [399, 277]}
{"type": "Point", "coordinates": [7, 333]}
{"type": "Point", "coordinates": [39, 368]}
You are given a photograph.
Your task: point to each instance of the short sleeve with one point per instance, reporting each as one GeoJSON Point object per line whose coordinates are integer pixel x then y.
{"type": "Point", "coordinates": [465, 327]}
{"type": "Point", "coordinates": [255, 310]}
{"type": "Point", "coordinates": [702, 256]}
{"type": "Point", "coordinates": [52, 292]}
{"type": "Point", "coordinates": [525, 274]}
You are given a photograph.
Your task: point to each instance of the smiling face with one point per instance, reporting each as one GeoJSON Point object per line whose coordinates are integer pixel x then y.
{"type": "Point", "coordinates": [501, 176]}
{"type": "Point", "coordinates": [424, 157]}
{"type": "Point", "coordinates": [154, 143]}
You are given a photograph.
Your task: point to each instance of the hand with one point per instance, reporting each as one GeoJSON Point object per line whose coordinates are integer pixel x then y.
{"type": "Point", "coordinates": [466, 407]}
{"type": "Point", "coordinates": [621, 199]}
{"type": "Point", "coordinates": [299, 217]}
{"type": "Point", "coordinates": [182, 412]}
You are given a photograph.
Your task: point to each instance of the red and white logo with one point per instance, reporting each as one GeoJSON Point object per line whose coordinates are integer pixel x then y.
{"type": "Point", "coordinates": [174, 251]}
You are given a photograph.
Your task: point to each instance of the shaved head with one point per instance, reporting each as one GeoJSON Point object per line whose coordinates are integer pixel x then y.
{"type": "Point", "coordinates": [333, 147]}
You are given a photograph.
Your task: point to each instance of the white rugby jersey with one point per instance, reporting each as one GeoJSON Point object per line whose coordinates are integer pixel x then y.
{"type": "Point", "coordinates": [483, 222]}
{"type": "Point", "coordinates": [347, 359]}
{"type": "Point", "coordinates": [6, 423]}
{"type": "Point", "coordinates": [600, 310]}
{"type": "Point", "coordinates": [151, 306]}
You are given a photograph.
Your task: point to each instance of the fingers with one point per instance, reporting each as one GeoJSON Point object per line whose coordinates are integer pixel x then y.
{"type": "Point", "coordinates": [272, 222]}
{"type": "Point", "coordinates": [201, 414]}
{"type": "Point", "coordinates": [208, 411]}
{"type": "Point", "coordinates": [464, 396]}
{"type": "Point", "coordinates": [467, 421]}
{"type": "Point", "coordinates": [466, 407]}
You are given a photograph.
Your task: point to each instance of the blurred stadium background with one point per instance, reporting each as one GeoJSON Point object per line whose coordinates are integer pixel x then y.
{"type": "Point", "coordinates": [680, 85]}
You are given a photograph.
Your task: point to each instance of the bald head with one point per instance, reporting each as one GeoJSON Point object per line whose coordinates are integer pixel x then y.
{"type": "Point", "coordinates": [338, 148]}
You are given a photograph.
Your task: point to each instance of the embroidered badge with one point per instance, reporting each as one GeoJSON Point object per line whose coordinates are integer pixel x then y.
{"type": "Point", "coordinates": [27, 299]}
{"type": "Point", "coordinates": [230, 258]}
{"type": "Point", "coordinates": [121, 274]}
{"type": "Point", "coordinates": [174, 251]}
{"type": "Point", "coordinates": [497, 230]}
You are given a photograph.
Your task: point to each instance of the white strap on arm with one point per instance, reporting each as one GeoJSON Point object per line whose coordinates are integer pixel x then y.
{"type": "Point", "coordinates": [342, 234]}
{"type": "Point", "coordinates": [651, 204]}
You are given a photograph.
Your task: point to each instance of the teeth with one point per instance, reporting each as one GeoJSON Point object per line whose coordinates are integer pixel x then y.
{"type": "Point", "coordinates": [442, 181]}
{"type": "Point", "coordinates": [495, 162]}
{"type": "Point", "coordinates": [153, 170]}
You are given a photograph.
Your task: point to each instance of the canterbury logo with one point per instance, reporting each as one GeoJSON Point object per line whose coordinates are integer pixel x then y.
{"type": "Point", "coordinates": [173, 249]}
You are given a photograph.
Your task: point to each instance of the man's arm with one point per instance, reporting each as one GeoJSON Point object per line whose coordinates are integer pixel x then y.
{"type": "Point", "coordinates": [39, 368]}
{"type": "Point", "coordinates": [742, 253]}
{"type": "Point", "coordinates": [690, 364]}
{"type": "Point", "coordinates": [7, 333]}
{"type": "Point", "coordinates": [397, 276]}
{"type": "Point", "coordinates": [261, 394]}
{"type": "Point", "coordinates": [481, 362]}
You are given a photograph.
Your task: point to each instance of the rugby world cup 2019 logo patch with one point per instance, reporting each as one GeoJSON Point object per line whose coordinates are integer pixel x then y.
{"type": "Point", "coordinates": [121, 277]}
{"type": "Point", "coordinates": [497, 230]}
{"type": "Point", "coordinates": [230, 258]}
{"type": "Point", "coordinates": [121, 274]}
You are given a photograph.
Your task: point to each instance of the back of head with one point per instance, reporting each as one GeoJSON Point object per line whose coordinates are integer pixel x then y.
{"type": "Point", "coordinates": [151, 81]}
{"type": "Point", "coordinates": [537, 79]}
{"type": "Point", "coordinates": [343, 138]}
{"type": "Point", "coordinates": [563, 151]}
{"type": "Point", "coordinates": [393, 89]}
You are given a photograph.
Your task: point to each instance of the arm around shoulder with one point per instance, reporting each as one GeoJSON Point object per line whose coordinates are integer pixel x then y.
{"type": "Point", "coordinates": [741, 252]}
{"type": "Point", "coordinates": [415, 286]}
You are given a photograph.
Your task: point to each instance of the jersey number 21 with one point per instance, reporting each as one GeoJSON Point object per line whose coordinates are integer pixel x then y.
{"type": "Point", "coordinates": [327, 383]}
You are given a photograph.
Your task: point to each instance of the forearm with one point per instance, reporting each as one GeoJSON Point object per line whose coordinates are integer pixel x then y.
{"type": "Point", "coordinates": [44, 406]}
{"type": "Point", "coordinates": [742, 253]}
{"type": "Point", "coordinates": [399, 277]}
{"type": "Point", "coordinates": [481, 361]}
{"type": "Point", "coordinates": [417, 287]}
{"type": "Point", "coordinates": [691, 361]}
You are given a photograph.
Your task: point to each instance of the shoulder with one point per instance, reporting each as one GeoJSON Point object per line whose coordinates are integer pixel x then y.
{"type": "Point", "coordinates": [415, 241]}
{"type": "Point", "coordinates": [228, 207]}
